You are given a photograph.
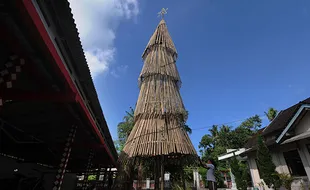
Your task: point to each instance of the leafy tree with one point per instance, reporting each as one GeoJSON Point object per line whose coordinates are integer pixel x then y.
{"type": "Point", "coordinates": [124, 128]}
{"type": "Point", "coordinates": [240, 171]}
{"type": "Point", "coordinates": [208, 141]}
{"type": "Point", "coordinates": [222, 138]}
{"type": "Point", "coordinates": [117, 145]}
{"type": "Point", "coordinates": [203, 172]}
{"type": "Point", "coordinates": [184, 125]}
{"type": "Point", "coordinates": [214, 132]}
{"type": "Point", "coordinates": [265, 164]}
{"type": "Point", "coordinates": [240, 136]}
{"type": "Point", "coordinates": [252, 123]}
{"type": "Point", "coordinates": [271, 114]}
{"type": "Point", "coordinates": [206, 144]}
{"type": "Point", "coordinates": [286, 180]}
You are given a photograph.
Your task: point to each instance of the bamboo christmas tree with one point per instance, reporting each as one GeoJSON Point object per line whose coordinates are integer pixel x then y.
{"type": "Point", "coordinates": [158, 132]}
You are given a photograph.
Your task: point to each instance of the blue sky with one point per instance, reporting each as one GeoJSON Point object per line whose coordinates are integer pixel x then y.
{"type": "Point", "coordinates": [237, 58]}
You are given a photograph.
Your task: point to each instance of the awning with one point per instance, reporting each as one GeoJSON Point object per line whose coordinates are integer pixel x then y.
{"type": "Point", "coordinates": [297, 137]}
{"type": "Point", "coordinates": [232, 154]}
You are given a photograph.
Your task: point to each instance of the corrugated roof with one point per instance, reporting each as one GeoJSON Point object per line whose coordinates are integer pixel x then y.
{"type": "Point", "coordinates": [280, 122]}
{"type": "Point", "coordinates": [71, 38]}
{"type": "Point", "coordinates": [277, 125]}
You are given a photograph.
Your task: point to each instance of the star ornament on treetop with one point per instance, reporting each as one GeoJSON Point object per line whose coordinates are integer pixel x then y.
{"type": "Point", "coordinates": [162, 12]}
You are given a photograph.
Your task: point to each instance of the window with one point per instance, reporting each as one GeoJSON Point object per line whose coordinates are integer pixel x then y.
{"type": "Point", "coordinates": [294, 163]}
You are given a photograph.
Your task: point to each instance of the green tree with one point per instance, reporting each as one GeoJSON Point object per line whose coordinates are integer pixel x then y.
{"type": "Point", "coordinates": [124, 128]}
{"type": "Point", "coordinates": [203, 172]}
{"type": "Point", "coordinates": [252, 123]}
{"type": "Point", "coordinates": [286, 180]}
{"type": "Point", "coordinates": [214, 132]}
{"type": "Point", "coordinates": [184, 125]}
{"type": "Point", "coordinates": [220, 139]}
{"type": "Point", "coordinates": [271, 114]}
{"type": "Point", "coordinates": [208, 142]}
{"type": "Point", "coordinates": [117, 146]}
{"type": "Point", "coordinates": [240, 171]}
{"type": "Point", "coordinates": [240, 136]}
{"type": "Point", "coordinates": [266, 167]}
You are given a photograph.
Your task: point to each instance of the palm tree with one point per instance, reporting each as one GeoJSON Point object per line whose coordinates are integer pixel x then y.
{"type": "Point", "coordinates": [214, 132]}
{"type": "Point", "coordinates": [271, 114]}
{"type": "Point", "coordinates": [225, 129]}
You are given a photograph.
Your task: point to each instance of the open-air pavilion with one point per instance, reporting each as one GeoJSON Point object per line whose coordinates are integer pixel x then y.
{"type": "Point", "coordinates": [49, 110]}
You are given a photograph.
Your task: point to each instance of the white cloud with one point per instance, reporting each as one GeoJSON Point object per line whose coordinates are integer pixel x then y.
{"type": "Point", "coordinates": [99, 60]}
{"type": "Point", "coordinates": [97, 21]}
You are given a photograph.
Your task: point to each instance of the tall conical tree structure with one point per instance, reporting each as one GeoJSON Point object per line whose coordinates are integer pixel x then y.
{"type": "Point", "coordinates": [160, 113]}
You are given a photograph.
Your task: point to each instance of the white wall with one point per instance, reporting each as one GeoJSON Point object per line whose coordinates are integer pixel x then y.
{"type": "Point", "coordinates": [279, 161]}
{"type": "Point", "coordinates": [304, 124]}
{"type": "Point", "coordinates": [253, 170]}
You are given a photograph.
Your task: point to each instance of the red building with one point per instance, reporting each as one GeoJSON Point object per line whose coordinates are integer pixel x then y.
{"type": "Point", "coordinates": [49, 109]}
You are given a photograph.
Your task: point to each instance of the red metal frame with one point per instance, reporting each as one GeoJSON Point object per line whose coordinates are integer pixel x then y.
{"type": "Point", "coordinates": [31, 11]}
{"type": "Point", "coordinates": [65, 159]}
{"type": "Point", "coordinates": [15, 45]}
